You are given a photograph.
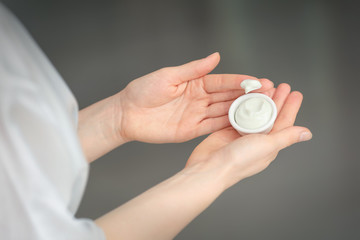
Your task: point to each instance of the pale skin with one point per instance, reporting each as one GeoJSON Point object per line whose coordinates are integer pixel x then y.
{"type": "Point", "coordinates": [177, 104]}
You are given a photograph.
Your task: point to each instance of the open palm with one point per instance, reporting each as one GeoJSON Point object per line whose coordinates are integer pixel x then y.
{"type": "Point", "coordinates": [176, 104]}
{"type": "Point", "coordinates": [250, 154]}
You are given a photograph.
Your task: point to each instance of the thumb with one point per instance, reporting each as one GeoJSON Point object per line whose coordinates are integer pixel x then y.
{"type": "Point", "coordinates": [290, 135]}
{"type": "Point", "coordinates": [197, 68]}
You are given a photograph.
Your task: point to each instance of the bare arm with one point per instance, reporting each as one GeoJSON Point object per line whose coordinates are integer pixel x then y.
{"type": "Point", "coordinates": [220, 161]}
{"type": "Point", "coordinates": [164, 210]}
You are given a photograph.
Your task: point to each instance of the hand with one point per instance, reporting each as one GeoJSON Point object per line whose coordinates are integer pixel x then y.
{"type": "Point", "coordinates": [177, 104]}
{"type": "Point", "coordinates": [248, 155]}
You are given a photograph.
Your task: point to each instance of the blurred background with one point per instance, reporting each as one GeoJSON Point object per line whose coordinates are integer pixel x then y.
{"type": "Point", "coordinates": [312, 190]}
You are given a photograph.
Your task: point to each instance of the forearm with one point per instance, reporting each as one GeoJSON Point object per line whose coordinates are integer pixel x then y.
{"type": "Point", "coordinates": [97, 128]}
{"type": "Point", "coordinates": [164, 210]}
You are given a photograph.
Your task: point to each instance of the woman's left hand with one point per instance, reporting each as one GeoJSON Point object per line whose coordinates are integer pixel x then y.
{"type": "Point", "coordinates": [176, 104]}
{"type": "Point", "coordinates": [237, 157]}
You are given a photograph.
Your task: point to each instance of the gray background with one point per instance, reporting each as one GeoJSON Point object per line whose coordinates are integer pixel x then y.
{"type": "Point", "coordinates": [312, 190]}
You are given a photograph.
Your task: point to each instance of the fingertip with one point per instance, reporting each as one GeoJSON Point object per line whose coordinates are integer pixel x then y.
{"type": "Point", "coordinates": [215, 55]}
{"type": "Point", "coordinates": [297, 94]}
{"type": "Point", "coordinates": [305, 135]}
{"type": "Point", "coordinates": [197, 68]}
{"type": "Point", "coordinates": [284, 87]}
{"type": "Point", "coordinates": [264, 79]}
{"type": "Point", "coordinates": [295, 97]}
{"type": "Point", "coordinates": [266, 83]}
{"type": "Point", "coordinates": [211, 62]}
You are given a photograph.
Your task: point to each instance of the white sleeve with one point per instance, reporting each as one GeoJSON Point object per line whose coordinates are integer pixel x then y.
{"type": "Point", "coordinates": [43, 171]}
{"type": "Point", "coordinates": [37, 178]}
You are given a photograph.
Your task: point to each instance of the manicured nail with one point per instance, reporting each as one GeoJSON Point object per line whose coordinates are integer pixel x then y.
{"type": "Point", "coordinates": [305, 136]}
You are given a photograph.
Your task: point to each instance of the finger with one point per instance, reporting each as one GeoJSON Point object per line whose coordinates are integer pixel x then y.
{"type": "Point", "coordinates": [280, 95]}
{"type": "Point", "coordinates": [289, 136]}
{"type": "Point", "coordinates": [233, 94]}
{"type": "Point", "coordinates": [287, 115]}
{"type": "Point", "coordinates": [225, 96]}
{"type": "Point", "coordinates": [266, 85]}
{"type": "Point", "coordinates": [195, 69]}
{"type": "Point", "coordinates": [270, 93]}
{"type": "Point", "coordinates": [218, 109]}
{"type": "Point", "coordinates": [225, 82]}
{"type": "Point", "coordinates": [210, 125]}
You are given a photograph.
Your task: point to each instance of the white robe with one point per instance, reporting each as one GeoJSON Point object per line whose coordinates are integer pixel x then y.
{"type": "Point", "coordinates": [43, 171]}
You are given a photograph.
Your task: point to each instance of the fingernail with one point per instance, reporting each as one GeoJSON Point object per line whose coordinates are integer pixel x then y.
{"type": "Point", "coordinates": [305, 136]}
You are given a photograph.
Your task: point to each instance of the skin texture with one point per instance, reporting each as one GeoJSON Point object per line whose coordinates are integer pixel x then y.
{"type": "Point", "coordinates": [177, 104]}
{"type": "Point", "coordinates": [251, 154]}
{"type": "Point", "coordinates": [173, 104]}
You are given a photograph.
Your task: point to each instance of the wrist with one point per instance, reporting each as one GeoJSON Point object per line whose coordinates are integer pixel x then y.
{"type": "Point", "coordinates": [98, 128]}
{"type": "Point", "coordinates": [117, 110]}
{"type": "Point", "coordinates": [224, 173]}
{"type": "Point", "coordinates": [210, 172]}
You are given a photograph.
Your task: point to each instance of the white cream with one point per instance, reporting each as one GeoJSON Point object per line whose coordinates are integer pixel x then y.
{"type": "Point", "coordinates": [253, 113]}
{"type": "Point", "coordinates": [250, 85]}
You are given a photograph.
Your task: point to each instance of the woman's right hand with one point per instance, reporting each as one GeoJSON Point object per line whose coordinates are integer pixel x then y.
{"type": "Point", "coordinates": [243, 156]}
